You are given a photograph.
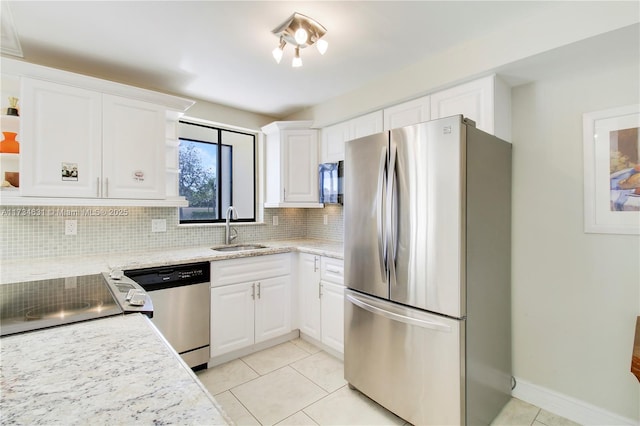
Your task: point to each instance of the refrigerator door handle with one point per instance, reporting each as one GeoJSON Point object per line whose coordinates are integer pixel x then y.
{"type": "Point", "coordinates": [391, 213]}
{"type": "Point", "coordinates": [398, 317]}
{"type": "Point", "coordinates": [380, 203]}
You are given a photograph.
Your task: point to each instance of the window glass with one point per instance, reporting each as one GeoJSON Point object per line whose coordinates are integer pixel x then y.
{"type": "Point", "coordinates": [217, 170]}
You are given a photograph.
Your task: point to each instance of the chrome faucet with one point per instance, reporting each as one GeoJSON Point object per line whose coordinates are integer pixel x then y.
{"type": "Point", "coordinates": [227, 234]}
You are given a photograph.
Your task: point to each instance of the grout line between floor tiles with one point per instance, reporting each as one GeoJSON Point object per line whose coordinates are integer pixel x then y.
{"type": "Point", "coordinates": [252, 369]}
{"type": "Point", "coordinates": [309, 354]}
{"type": "Point", "coordinates": [536, 417]}
{"type": "Point", "coordinates": [272, 371]}
{"type": "Point", "coordinates": [245, 407]}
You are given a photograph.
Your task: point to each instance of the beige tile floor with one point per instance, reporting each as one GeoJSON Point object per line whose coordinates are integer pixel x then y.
{"type": "Point", "coordinates": [295, 383]}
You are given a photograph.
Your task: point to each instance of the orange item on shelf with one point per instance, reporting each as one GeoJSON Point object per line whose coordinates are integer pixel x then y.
{"type": "Point", "coordinates": [10, 144]}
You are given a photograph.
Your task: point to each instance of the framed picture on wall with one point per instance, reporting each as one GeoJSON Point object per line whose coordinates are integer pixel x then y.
{"type": "Point", "coordinates": [612, 170]}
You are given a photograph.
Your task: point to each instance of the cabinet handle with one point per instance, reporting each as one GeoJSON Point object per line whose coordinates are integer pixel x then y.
{"type": "Point", "coordinates": [106, 187]}
{"type": "Point", "coordinates": [258, 290]}
{"type": "Point", "coordinates": [319, 290]}
{"type": "Point", "coordinates": [315, 263]}
{"type": "Point", "coordinates": [284, 194]}
{"type": "Point", "coordinates": [335, 271]}
{"type": "Point", "coordinates": [98, 187]}
{"type": "Point", "coordinates": [253, 291]}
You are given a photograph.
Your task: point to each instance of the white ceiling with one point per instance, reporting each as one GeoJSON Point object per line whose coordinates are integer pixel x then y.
{"type": "Point", "coordinates": [220, 51]}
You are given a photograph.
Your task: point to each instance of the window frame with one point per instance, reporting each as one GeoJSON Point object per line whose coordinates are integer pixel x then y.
{"type": "Point", "coordinates": [220, 129]}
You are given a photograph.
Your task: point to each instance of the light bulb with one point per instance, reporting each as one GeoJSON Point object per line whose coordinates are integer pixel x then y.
{"type": "Point", "coordinates": [322, 46]}
{"type": "Point", "coordinates": [297, 60]}
{"type": "Point", "coordinates": [300, 36]}
{"type": "Point", "coordinates": [277, 54]}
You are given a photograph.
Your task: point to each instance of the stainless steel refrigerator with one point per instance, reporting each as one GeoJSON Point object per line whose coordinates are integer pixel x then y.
{"type": "Point", "coordinates": [427, 232]}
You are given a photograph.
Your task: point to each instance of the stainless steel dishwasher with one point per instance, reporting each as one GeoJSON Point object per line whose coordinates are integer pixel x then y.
{"type": "Point", "coordinates": [181, 301]}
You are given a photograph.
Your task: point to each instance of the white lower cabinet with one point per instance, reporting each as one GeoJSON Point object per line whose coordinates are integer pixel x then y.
{"type": "Point", "coordinates": [232, 317]}
{"type": "Point", "coordinates": [309, 294]}
{"type": "Point", "coordinates": [332, 315]}
{"type": "Point", "coordinates": [321, 294]}
{"type": "Point", "coordinates": [250, 301]}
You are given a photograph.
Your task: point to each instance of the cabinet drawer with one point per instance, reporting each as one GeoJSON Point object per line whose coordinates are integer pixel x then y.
{"type": "Point", "coordinates": [247, 269]}
{"type": "Point", "coordinates": [332, 270]}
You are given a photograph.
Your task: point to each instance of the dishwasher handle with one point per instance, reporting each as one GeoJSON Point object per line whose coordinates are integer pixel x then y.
{"type": "Point", "coordinates": [163, 277]}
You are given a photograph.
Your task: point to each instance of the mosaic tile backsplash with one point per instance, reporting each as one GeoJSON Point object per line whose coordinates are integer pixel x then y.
{"type": "Point", "coordinates": [38, 232]}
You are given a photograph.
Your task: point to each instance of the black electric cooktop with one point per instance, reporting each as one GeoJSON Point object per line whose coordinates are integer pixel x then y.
{"type": "Point", "coordinates": [33, 305]}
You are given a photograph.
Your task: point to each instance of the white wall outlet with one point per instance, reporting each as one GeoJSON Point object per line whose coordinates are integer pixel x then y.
{"type": "Point", "coordinates": [275, 221]}
{"type": "Point", "coordinates": [70, 227]}
{"type": "Point", "coordinates": [325, 219]}
{"type": "Point", "coordinates": [158, 225]}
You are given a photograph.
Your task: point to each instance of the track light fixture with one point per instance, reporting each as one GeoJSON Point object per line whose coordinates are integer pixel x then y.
{"type": "Point", "coordinates": [300, 31]}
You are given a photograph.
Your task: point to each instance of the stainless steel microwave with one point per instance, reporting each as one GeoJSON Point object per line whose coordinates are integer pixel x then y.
{"type": "Point", "coordinates": [330, 177]}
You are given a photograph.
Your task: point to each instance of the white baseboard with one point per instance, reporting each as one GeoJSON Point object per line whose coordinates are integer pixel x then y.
{"type": "Point", "coordinates": [567, 407]}
{"type": "Point", "coordinates": [322, 346]}
{"type": "Point", "coordinates": [230, 356]}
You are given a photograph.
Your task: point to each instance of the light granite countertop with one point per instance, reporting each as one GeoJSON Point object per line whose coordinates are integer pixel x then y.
{"type": "Point", "coordinates": [117, 370]}
{"type": "Point", "coordinates": [60, 267]}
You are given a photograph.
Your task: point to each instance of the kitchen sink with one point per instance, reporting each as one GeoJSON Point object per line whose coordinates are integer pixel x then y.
{"type": "Point", "coordinates": [239, 247]}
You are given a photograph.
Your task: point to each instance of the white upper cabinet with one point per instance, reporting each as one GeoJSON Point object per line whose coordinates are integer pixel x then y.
{"type": "Point", "coordinates": [407, 113]}
{"type": "Point", "coordinates": [61, 134]}
{"type": "Point", "coordinates": [291, 155]}
{"type": "Point", "coordinates": [133, 149]}
{"type": "Point", "coordinates": [487, 101]}
{"type": "Point", "coordinates": [99, 142]}
{"type": "Point", "coordinates": [81, 143]}
{"type": "Point", "coordinates": [365, 125]}
{"type": "Point", "coordinates": [334, 137]}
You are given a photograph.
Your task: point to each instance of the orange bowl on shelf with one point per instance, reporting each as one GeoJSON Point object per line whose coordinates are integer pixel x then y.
{"type": "Point", "coordinates": [13, 178]}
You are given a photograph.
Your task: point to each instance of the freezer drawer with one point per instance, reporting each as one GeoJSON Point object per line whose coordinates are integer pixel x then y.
{"type": "Point", "coordinates": [407, 360]}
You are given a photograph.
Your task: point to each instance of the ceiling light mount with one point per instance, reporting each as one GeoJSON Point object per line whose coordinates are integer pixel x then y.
{"type": "Point", "coordinates": [300, 31]}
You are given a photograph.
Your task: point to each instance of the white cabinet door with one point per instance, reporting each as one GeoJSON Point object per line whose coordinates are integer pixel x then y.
{"type": "Point", "coordinates": [309, 294]}
{"type": "Point", "coordinates": [407, 113]}
{"type": "Point", "coordinates": [232, 317]}
{"type": "Point", "coordinates": [134, 162]}
{"type": "Point", "coordinates": [272, 308]}
{"type": "Point", "coordinates": [474, 100]}
{"type": "Point", "coordinates": [332, 284]}
{"type": "Point", "coordinates": [487, 101]}
{"type": "Point", "coordinates": [333, 315]}
{"type": "Point", "coordinates": [365, 125]}
{"type": "Point", "coordinates": [61, 137]}
{"type": "Point", "coordinates": [333, 139]}
{"type": "Point", "coordinates": [291, 156]}
{"type": "Point", "coordinates": [300, 166]}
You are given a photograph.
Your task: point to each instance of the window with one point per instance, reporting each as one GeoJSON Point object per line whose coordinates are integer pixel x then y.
{"type": "Point", "coordinates": [217, 170]}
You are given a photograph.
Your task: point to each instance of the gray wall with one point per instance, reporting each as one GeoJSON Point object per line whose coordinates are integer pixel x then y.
{"type": "Point", "coordinates": [575, 295]}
